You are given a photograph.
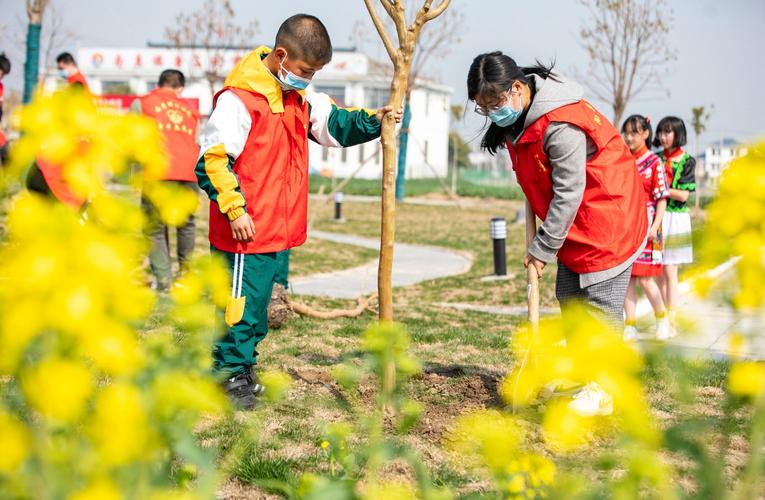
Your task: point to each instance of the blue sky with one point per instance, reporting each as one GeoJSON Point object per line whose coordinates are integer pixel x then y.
{"type": "Point", "coordinates": [718, 45]}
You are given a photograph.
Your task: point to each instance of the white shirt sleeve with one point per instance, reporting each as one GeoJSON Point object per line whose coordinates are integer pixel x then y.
{"type": "Point", "coordinates": [229, 124]}
{"type": "Point", "coordinates": [321, 109]}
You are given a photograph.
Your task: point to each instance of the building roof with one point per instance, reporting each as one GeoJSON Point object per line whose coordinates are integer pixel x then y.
{"type": "Point", "coordinates": [171, 45]}
{"type": "Point", "coordinates": [725, 142]}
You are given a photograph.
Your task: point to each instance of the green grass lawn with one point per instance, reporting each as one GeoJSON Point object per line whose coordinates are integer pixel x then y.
{"type": "Point", "coordinates": [464, 354]}
{"type": "Point", "coordinates": [419, 187]}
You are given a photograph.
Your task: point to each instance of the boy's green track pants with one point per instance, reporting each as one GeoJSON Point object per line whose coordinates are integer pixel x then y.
{"type": "Point", "coordinates": [246, 315]}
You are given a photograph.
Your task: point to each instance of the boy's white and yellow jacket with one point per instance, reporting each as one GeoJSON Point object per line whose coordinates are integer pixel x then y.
{"type": "Point", "coordinates": [254, 154]}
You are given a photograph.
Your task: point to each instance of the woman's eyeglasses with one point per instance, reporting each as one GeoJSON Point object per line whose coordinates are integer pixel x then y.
{"type": "Point", "coordinates": [488, 110]}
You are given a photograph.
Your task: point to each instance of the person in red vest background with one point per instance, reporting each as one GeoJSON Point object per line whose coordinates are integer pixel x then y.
{"type": "Point", "coordinates": [579, 178]}
{"type": "Point", "coordinates": [44, 177]}
{"type": "Point", "coordinates": [68, 70]}
{"type": "Point", "coordinates": [5, 68]}
{"type": "Point", "coordinates": [178, 123]}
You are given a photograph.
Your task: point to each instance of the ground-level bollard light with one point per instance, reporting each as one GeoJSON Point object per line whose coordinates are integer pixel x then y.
{"type": "Point", "coordinates": [499, 236]}
{"type": "Point", "coordinates": [339, 206]}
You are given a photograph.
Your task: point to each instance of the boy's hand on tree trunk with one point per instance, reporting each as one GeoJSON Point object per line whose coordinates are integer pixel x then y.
{"type": "Point", "coordinates": [242, 228]}
{"type": "Point", "coordinates": [388, 109]}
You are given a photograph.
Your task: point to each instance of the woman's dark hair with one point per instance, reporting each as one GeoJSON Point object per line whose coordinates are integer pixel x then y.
{"type": "Point", "coordinates": [674, 124]}
{"type": "Point", "coordinates": [5, 64]}
{"type": "Point", "coordinates": [491, 74]}
{"type": "Point", "coordinates": [639, 123]}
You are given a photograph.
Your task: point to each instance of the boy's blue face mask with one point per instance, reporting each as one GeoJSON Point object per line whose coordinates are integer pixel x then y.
{"type": "Point", "coordinates": [506, 115]}
{"type": "Point", "coordinates": [63, 74]}
{"type": "Point", "coordinates": [291, 80]}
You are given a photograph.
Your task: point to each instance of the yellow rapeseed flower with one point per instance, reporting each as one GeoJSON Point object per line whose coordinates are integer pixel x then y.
{"type": "Point", "coordinates": [58, 388]}
{"type": "Point", "coordinates": [747, 378]}
{"type": "Point", "coordinates": [277, 383]}
{"type": "Point", "coordinates": [120, 427]}
{"type": "Point", "coordinates": [14, 443]}
{"type": "Point", "coordinates": [100, 489]}
{"type": "Point", "coordinates": [176, 391]}
{"type": "Point", "coordinates": [741, 192]}
{"type": "Point", "coordinates": [564, 429]}
{"type": "Point", "coordinates": [174, 203]}
{"type": "Point", "coordinates": [389, 490]}
{"type": "Point", "coordinates": [485, 437]}
{"type": "Point", "coordinates": [113, 348]}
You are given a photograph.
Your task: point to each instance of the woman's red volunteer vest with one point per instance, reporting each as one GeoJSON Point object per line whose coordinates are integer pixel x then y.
{"type": "Point", "coordinates": [178, 123]}
{"type": "Point", "coordinates": [611, 223]}
{"type": "Point", "coordinates": [273, 176]}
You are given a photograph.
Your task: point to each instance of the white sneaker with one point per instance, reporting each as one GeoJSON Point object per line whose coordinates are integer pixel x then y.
{"type": "Point", "coordinates": [630, 333]}
{"type": "Point", "coordinates": [591, 401]}
{"type": "Point", "coordinates": [664, 329]}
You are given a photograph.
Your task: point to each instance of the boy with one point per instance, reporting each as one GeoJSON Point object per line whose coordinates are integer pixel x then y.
{"type": "Point", "coordinates": [44, 177]}
{"type": "Point", "coordinates": [254, 168]}
{"type": "Point", "coordinates": [178, 123]}
{"type": "Point", "coordinates": [68, 70]}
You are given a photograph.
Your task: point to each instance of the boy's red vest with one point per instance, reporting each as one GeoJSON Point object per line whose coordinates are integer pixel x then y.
{"type": "Point", "coordinates": [273, 176]}
{"type": "Point", "coordinates": [611, 223]}
{"type": "Point", "coordinates": [178, 123]}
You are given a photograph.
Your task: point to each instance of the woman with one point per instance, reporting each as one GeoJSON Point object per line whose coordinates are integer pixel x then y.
{"type": "Point", "coordinates": [579, 178]}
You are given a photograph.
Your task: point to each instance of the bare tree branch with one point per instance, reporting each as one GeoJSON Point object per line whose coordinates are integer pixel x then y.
{"type": "Point", "coordinates": [211, 30]}
{"type": "Point", "coordinates": [384, 35]}
{"type": "Point", "coordinates": [626, 41]}
{"type": "Point", "coordinates": [35, 10]}
{"type": "Point", "coordinates": [434, 13]}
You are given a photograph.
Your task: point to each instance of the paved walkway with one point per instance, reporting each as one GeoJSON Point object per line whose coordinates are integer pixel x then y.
{"type": "Point", "coordinates": [411, 264]}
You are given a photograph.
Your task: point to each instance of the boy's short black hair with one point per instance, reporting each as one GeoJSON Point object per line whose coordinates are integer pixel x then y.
{"type": "Point", "coordinates": [171, 78]}
{"type": "Point", "coordinates": [674, 124]}
{"type": "Point", "coordinates": [65, 58]}
{"type": "Point", "coordinates": [5, 64]}
{"type": "Point", "coordinates": [305, 37]}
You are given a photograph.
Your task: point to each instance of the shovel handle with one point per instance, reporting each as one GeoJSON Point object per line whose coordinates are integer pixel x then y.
{"type": "Point", "coordinates": [531, 271]}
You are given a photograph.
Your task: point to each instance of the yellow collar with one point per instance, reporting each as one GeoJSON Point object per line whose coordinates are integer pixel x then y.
{"type": "Point", "coordinates": [252, 75]}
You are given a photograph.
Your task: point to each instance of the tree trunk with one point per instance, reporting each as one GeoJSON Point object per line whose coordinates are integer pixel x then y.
{"type": "Point", "coordinates": [698, 172]}
{"type": "Point", "coordinates": [403, 141]}
{"type": "Point", "coordinates": [388, 227]}
{"type": "Point", "coordinates": [454, 166]}
{"type": "Point", "coordinates": [32, 61]}
{"type": "Point", "coordinates": [618, 113]}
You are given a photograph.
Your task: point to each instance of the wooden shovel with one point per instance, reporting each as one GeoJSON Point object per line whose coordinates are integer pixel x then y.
{"type": "Point", "coordinates": [531, 272]}
{"type": "Point", "coordinates": [532, 296]}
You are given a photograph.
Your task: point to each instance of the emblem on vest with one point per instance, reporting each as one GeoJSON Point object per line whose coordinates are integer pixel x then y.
{"type": "Point", "coordinates": [540, 165]}
{"type": "Point", "coordinates": [174, 116]}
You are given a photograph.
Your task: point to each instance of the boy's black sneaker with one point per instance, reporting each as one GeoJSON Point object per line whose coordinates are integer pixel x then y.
{"type": "Point", "coordinates": [239, 390]}
{"type": "Point", "coordinates": [257, 388]}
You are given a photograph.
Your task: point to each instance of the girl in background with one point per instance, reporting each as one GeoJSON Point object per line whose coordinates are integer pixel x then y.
{"type": "Point", "coordinates": [680, 167]}
{"type": "Point", "coordinates": [636, 131]}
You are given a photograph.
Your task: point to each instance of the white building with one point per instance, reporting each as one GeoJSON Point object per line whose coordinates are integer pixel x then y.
{"type": "Point", "coordinates": [351, 78]}
{"type": "Point", "coordinates": [718, 156]}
